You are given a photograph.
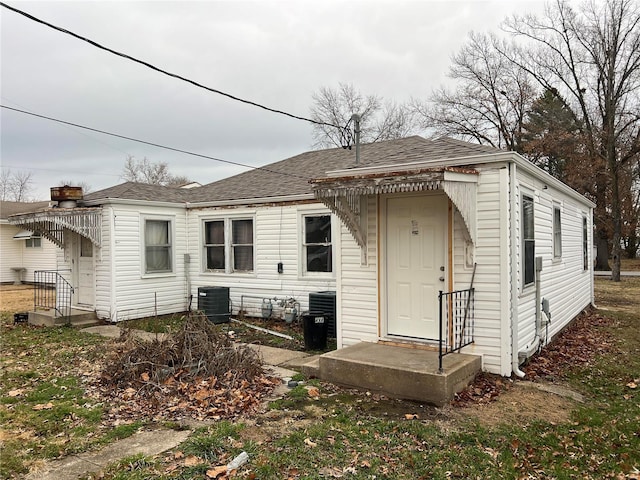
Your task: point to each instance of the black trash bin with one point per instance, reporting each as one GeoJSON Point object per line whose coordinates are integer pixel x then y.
{"type": "Point", "coordinates": [314, 326]}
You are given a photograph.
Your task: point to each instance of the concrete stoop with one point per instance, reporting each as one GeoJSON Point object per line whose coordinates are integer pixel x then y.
{"type": "Point", "coordinates": [400, 372]}
{"type": "Point", "coordinates": [77, 318]}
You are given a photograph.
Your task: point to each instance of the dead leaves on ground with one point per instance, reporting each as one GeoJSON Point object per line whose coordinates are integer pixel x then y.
{"type": "Point", "coordinates": [577, 346]}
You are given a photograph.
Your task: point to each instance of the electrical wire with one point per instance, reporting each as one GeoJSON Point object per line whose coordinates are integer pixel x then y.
{"type": "Point", "coordinates": [157, 69]}
{"type": "Point", "coordinates": [186, 152]}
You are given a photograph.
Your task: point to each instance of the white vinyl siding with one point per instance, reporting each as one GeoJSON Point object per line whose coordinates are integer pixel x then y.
{"type": "Point", "coordinates": [277, 239]}
{"type": "Point", "coordinates": [563, 281]}
{"type": "Point", "coordinates": [15, 254]}
{"type": "Point", "coordinates": [133, 293]}
{"type": "Point", "coordinates": [491, 282]}
{"type": "Point", "coordinates": [358, 283]}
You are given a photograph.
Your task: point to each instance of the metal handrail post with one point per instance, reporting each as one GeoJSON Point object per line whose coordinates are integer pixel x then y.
{"type": "Point", "coordinates": [440, 370]}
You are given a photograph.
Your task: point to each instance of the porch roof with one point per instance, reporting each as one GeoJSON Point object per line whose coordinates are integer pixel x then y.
{"type": "Point", "coordinates": [342, 194]}
{"type": "Point", "coordinates": [51, 222]}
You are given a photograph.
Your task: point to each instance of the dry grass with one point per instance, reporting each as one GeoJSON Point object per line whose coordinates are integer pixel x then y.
{"type": "Point", "coordinates": [623, 296]}
{"type": "Point", "coordinates": [630, 264]}
{"type": "Point", "coordinates": [16, 298]}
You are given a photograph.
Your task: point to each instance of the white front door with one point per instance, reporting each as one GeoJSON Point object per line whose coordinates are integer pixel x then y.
{"type": "Point", "coordinates": [415, 264]}
{"type": "Point", "coordinates": [84, 276]}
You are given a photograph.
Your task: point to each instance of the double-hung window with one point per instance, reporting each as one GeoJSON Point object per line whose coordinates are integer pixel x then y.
{"type": "Point", "coordinates": [318, 250]}
{"type": "Point", "coordinates": [34, 242]}
{"type": "Point", "coordinates": [214, 245]}
{"type": "Point", "coordinates": [242, 245]}
{"type": "Point", "coordinates": [585, 244]}
{"type": "Point", "coordinates": [557, 232]}
{"type": "Point", "coordinates": [528, 240]}
{"type": "Point", "coordinates": [229, 245]}
{"type": "Point", "coordinates": [158, 247]}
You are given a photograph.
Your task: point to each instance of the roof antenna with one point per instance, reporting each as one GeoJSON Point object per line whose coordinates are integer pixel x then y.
{"type": "Point", "coordinates": [356, 130]}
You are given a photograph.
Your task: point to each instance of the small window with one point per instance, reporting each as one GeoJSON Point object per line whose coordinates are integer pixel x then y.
{"type": "Point", "coordinates": [214, 245]}
{"type": "Point", "coordinates": [557, 232]}
{"type": "Point", "coordinates": [157, 239]}
{"type": "Point", "coordinates": [585, 244]}
{"type": "Point", "coordinates": [317, 243]}
{"type": "Point", "coordinates": [86, 247]}
{"type": "Point", "coordinates": [33, 242]}
{"type": "Point", "coordinates": [242, 245]}
{"type": "Point", "coordinates": [528, 240]}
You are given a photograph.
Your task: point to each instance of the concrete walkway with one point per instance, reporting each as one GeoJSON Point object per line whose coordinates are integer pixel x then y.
{"type": "Point", "coordinates": [147, 443]}
{"type": "Point", "coordinates": [277, 362]}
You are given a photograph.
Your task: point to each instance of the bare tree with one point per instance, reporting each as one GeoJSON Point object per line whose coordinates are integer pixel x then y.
{"type": "Point", "coordinates": [592, 57]}
{"type": "Point", "coordinates": [489, 100]}
{"type": "Point", "coordinates": [156, 173]}
{"type": "Point", "coordinates": [16, 186]}
{"type": "Point", "coordinates": [379, 119]}
{"type": "Point", "coordinates": [86, 188]}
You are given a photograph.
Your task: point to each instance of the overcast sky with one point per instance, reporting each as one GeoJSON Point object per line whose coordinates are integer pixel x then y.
{"type": "Point", "coordinates": [276, 53]}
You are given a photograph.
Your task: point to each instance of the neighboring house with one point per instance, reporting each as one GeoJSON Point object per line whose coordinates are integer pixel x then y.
{"type": "Point", "coordinates": [414, 217]}
{"type": "Point", "coordinates": [22, 251]}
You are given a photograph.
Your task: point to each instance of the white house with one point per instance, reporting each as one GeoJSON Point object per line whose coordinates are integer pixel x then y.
{"type": "Point", "coordinates": [22, 251]}
{"type": "Point", "coordinates": [446, 216]}
{"type": "Point", "coordinates": [412, 218]}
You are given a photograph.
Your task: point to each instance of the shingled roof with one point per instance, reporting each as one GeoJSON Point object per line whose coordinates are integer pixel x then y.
{"type": "Point", "coordinates": [292, 175]}
{"type": "Point", "coordinates": [14, 208]}
{"type": "Point", "coordinates": [141, 191]}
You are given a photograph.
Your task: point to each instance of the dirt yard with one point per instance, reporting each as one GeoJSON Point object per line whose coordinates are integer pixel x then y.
{"type": "Point", "coordinates": [16, 298]}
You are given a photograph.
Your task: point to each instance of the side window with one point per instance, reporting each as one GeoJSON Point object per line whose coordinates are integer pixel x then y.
{"type": "Point", "coordinates": [242, 245]}
{"type": "Point", "coordinates": [158, 246]}
{"type": "Point", "coordinates": [557, 232]}
{"type": "Point", "coordinates": [214, 245]}
{"type": "Point", "coordinates": [228, 245]}
{"type": "Point", "coordinates": [528, 240]}
{"type": "Point", "coordinates": [318, 251]}
{"type": "Point", "coordinates": [33, 242]}
{"type": "Point", "coordinates": [585, 244]}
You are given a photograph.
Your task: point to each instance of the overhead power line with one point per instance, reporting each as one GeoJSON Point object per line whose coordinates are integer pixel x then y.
{"type": "Point", "coordinates": [157, 69]}
{"type": "Point", "coordinates": [186, 152]}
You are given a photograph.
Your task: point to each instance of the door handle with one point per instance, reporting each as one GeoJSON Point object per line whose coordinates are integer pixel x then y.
{"type": "Point", "coordinates": [442, 279]}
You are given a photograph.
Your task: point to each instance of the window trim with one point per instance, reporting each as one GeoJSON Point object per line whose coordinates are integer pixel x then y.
{"type": "Point", "coordinates": [585, 243]}
{"type": "Point", "coordinates": [171, 245]}
{"type": "Point", "coordinates": [29, 242]}
{"type": "Point", "coordinates": [206, 245]}
{"type": "Point", "coordinates": [232, 246]}
{"type": "Point", "coordinates": [557, 231]}
{"type": "Point", "coordinates": [532, 263]}
{"type": "Point", "coordinates": [302, 245]}
{"type": "Point", "coordinates": [228, 245]}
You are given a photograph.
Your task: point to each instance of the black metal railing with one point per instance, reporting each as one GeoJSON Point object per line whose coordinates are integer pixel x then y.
{"type": "Point", "coordinates": [52, 292]}
{"type": "Point", "coordinates": [457, 314]}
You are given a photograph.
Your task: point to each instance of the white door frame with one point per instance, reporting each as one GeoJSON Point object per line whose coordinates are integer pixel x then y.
{"type": "Point", "coordinates": [384, 287]}
{"type": "Point", "coordinates": [83, 274]}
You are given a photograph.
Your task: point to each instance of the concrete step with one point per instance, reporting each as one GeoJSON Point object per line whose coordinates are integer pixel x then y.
{"type": "Point", "coordinates": [400, 372]}
{"type": "Point", "coordinates": [49, 318]}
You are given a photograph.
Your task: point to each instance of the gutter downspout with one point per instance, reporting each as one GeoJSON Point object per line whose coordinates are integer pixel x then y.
{"type": "Point", "coordinates": [112, 258]}
{"type": "Point", "coordinates": [187, 260]}
{"type": "Point", "coordinates": [515, 363]}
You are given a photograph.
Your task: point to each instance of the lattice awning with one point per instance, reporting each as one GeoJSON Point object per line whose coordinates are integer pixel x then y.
{"type": "Point", "coordinates": [51, 223]}
{"type": "Point", "coordinates": [342, 194]}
